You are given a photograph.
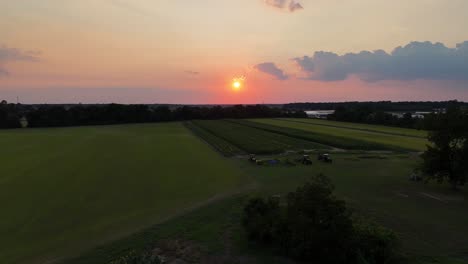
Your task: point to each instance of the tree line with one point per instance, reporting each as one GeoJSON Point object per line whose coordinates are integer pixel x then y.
{"type": "Point", "coordinates": [81, 115]}
{"type": "Point", "coordinates": [379, 113]}
{"type": "Point", "coordinates": [409, 106]}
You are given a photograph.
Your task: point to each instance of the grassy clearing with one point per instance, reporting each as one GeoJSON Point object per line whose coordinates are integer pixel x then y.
{"type": "Point", "coordinates": [253, 140]}
{"type": "Point", "coordinates": [66, 190]}
{"type": "Point", "coordinates": [363, 127]}
{"type": "Point", "coordinates": [340, 137]}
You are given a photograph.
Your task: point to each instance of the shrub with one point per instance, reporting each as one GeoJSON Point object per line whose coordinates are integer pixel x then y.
{"type": "Point", "coordinates": [374, 243]}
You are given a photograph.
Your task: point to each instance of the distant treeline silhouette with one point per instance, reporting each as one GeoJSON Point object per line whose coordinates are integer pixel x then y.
{"type": "Point", "coordinates": [389, 106]}
{"type": "Point", "coordinates": [17, 115]}
{"type": "Point", "coordinates": [367, 115]}
{"type": "Point", "coordinates": [381, 113]}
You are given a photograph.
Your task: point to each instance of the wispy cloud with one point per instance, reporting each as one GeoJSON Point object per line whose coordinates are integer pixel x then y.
{"type": "Point", "coordinates": [3, 72]}
{"type": "Point", "coordinates": [11, 54]}
{"type": "Point", "coordinates": [271, 69]}
{"type": "Point", "coordinates": [192, 72]}
{"type": "Point", "coordinates": [290, 5]}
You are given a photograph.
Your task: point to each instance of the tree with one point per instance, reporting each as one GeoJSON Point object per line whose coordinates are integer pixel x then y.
{"type": "Point", "coordinates": [446, 159]}
{"type": "Point", "coordinates": [260, 218]}
{"type": "Point", "coordinates": [315, 227]}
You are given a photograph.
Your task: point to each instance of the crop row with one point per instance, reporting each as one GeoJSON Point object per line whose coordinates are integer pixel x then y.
{"type": "Point", "coordinates": [329, 139]}
{"type": "Point", "coordinates": [251, 139]}
{"type": "Point", "coordinates": [221, 145]}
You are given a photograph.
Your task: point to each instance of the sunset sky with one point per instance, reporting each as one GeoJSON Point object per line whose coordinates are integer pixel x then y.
{"type": "Point", "coordinates": [184, 51]}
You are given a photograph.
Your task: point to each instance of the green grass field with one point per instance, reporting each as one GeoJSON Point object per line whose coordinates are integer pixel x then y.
{"type": "Point", "coordinates": [363, 127]}
{"type": "Point", "coordinates": [91, 194]}
{"type": "Point", "coordinates": [385, 139]}
{"type": "Point", "coordinates": [429, 219]}
{"type": "Point", "coordinates": [221, 145]}
{"type": "Point", "coordinates": [65, 190]}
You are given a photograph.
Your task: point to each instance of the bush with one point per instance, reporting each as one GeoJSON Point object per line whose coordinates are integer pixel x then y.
{"type": "Point", "coordinates": [315, 226]}
{"type": "Point", "coordinates": [138, 258]}
{"type": "Point", "coordinates": [374, 243]}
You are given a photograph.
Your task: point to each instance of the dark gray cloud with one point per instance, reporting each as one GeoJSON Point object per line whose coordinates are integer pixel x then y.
{"type": "Point", "coordinates": [10, 54]}
{"type": "Point", "coordinates": [417, 60]}
{"type": "Point", "coordinates": [290, 5]}
{"type": "Point", "coordinates": [271, 69]}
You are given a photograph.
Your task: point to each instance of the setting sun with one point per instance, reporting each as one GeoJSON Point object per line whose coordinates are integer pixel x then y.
{"type": "Point", "coordinates": [237, 83]}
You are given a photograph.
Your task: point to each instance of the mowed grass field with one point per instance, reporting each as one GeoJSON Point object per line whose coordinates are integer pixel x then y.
{"type": "Point", "coordinates": [387, 139]}
{"type": "Point", "coordinates": [362, 127]}
{"type": "Point", "coordinates": [429, 219]}
{"type": "Point", "coordinates": [66, 190]}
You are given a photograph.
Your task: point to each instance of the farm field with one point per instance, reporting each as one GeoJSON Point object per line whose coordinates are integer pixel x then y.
{"type": "Point", "coordinates": [66, 190]}
{"type": "Point", "coordinates": [364, 127]}
{"type": "Point", "coordinates": [221, 145]}
{"type": "Point", "coordinates": [384, 139]}
{"type": "Point", "coordinates": [252, 140]}
{"type": "Point", "coordinates": [91, 194]}
{"type": "Point", "coordinates": [429, 219]}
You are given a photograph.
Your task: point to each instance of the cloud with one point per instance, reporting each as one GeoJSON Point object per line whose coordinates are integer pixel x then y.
{"type": "Point", "coordinates": [3, 72]}
{"type": "Point", "coordinates": [417, 60]}
{"type": "Point", "coordinates": [294, 6]}
{"type": "Point", "coordinates": [290, 5]}
{"type": "Point", "coordinates": [271, 69]}
{"type": "Point", "coordinates": [10, 54]}
{"type": "Point", "coordinates": [192, 72]}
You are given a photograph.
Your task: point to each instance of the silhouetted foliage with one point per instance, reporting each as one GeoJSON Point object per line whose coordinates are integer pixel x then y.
{"type": "Point", "coordinates": [447, 157]}
{"type": "Point", "coordinates": [365, 114]}
{"type": "Point", "coordinates": [79, 115]}
{"type": "Point", "coordinates": [9, 115]}
{"type": "Point", "coordinates": [316, 227]}
{"type": "Point", "coordinates": [378, 112]}
{"type": "Point", "coordinates": [376, 106]}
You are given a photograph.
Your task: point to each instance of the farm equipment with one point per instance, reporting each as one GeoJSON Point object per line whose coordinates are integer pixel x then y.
{"type": "Point", "coordinates": [416, 176]}
{"type": "Point", "coordinates": [325, 158]}
{"type": "Point", "coordinates": [253, 159]}
{"type": "Point", "coordinates": [306, 160]}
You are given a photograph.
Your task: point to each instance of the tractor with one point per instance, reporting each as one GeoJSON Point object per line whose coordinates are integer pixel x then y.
{"type": "Point", "coordinates": [306, 160]}
{"type": "Point", "coordinates": [325, 158]}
